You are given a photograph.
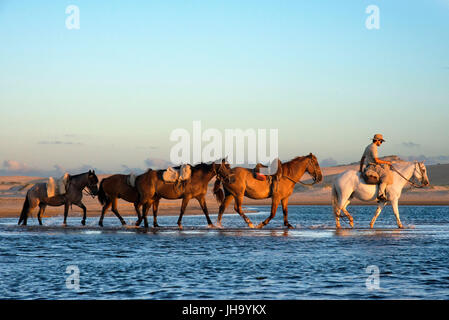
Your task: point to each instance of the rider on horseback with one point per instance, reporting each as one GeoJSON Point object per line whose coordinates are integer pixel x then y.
{"type": "Point", "coordinates": [373, 163]}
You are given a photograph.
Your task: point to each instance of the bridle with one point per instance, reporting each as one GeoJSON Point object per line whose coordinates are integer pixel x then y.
{"type": "Point", "coordinates": [306, 184]}
{"type": "Point", "coordinates": [421, 171]}
{"type": "Point", "coordinates": [87, 191]}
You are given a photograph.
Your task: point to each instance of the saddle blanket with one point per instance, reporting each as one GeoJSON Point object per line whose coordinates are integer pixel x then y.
{"type": "Point", "coordinates": [173, 175]}
{"type": "Point", "coordinates": [57, 186]}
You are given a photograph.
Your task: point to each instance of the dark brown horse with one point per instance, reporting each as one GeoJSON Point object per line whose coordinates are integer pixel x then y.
{"type": "Point", "coordinates": [113, 188]}
{"type": "Point", "coordinates": [152, 188]}
{"type": "Point", "coordinates": [239, 182]}
{"type": "Point", "coordinates": [37, 196]}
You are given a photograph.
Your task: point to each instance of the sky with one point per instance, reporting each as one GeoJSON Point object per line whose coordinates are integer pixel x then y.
{"type": "Point", "coordinates": [109, 94]}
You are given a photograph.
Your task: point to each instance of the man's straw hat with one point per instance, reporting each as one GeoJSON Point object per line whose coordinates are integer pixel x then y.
{"type": "Point", "coordinates": [378, 136]}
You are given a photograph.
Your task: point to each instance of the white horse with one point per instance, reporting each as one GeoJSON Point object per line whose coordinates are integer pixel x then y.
{"type": "Point", "coordinates": [351, 185]}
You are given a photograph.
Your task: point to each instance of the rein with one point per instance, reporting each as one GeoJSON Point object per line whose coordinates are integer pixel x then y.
{"type": "Point", "coordinates": [87, 192]}
{"type": "Point", "coordinates": [408, 180]}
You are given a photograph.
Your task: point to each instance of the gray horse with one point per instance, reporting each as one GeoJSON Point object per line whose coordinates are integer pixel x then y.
{"type": "Point", "coordinates": [37, 196]}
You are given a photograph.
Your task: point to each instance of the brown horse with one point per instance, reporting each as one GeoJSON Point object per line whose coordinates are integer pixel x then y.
{"type": "Point", "coordinates": [239, 182]}
{"type": "Point", "coordinates": [113, 188]}
{"type": "Point", "coordinates": [152, 188]}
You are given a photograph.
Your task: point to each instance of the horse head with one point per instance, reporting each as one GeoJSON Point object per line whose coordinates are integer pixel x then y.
{"type": "Point", "coordinates": [92, 182]}
{"type": "Point", "coordinates": [313, 168]}
{"type": "Point", "coordinates": [420, 173]}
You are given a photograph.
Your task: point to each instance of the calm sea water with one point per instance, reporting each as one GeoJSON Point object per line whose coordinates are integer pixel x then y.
{"type": "Point", "coordinates": [312, 261]}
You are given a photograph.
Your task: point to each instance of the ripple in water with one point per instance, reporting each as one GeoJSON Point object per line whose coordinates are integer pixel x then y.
{"type": "Point", "coordinates": [313, 261]}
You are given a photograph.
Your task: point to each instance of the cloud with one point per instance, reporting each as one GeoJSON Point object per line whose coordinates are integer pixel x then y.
{"type": "Point", "coordinates": [128, 170]}
{"type": "Point", "coordinates": [328, 162]}
{"type": "Point", "coordinates": [410, 144]}
{"type": "Point", "coordinates": [17, 168]}
{"type": "Point", "coordinates": [429, 160]}
{"type": "Point", "coordinates": [58, 142]}
{"type": "Point", "coordinates": [156, 163]}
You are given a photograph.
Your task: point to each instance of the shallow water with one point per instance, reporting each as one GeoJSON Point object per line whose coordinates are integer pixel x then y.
{"type": "Point", "coordinates": [313, 261]}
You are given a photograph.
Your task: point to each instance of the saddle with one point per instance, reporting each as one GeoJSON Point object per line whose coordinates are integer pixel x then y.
{"type": "Point", "coordinates": [370, 176]}
{"type": "Point", "coordinates": [57, 186]}
{"type": "Point", "coordinates": [272, 179]}
{"type": "Point", "coordinates": [177, 175]}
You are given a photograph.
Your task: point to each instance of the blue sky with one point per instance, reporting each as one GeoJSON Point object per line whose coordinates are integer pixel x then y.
{"type": "Point", "coordinates": [110, 93]}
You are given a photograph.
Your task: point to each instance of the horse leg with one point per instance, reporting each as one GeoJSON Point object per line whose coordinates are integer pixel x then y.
{"type": "Point", "coordinates": [238, 203]}
{"type": "Point", "coordinates": [41, 212]}
{"type": "Point", "coordinates": [394, 204]}
{"type": "Point", "coordinates": [103, 211]}
{"type": "Point", "coordinates": [117, 214]}
{"type": "Point", "coordinates": [185, 201]}
{"type": "Point", "coordinates": [136, 207]}
{"type": "Point", "coordinates": [274, 206]}
{"type": "Point", "coordinates": [145, 209]}
{"type": "Point", "coordinates": [202, 202]}
{"type": "Point", "coordinates": [66, 213]}
{"type": "Point", "coordinates": [347, 214]}
{"type": "Point", "coordinates": [380, 206]}
{"type": "Point", "coordinates": [222, 209]}
{"type": "Point", "coordinates": [155, 208]}
{"type": "Point", "coordinates": [285, 212]}
{"type": "Point", "coordinates": [82, 206]}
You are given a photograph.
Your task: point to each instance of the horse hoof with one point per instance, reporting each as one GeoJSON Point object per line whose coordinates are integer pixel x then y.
{"type": "Point", "coordinates": [100, 224]}
{"type": "Point", "coordinates": [155, 225]}
{"type": "Point", "coordinates": [218, 225]}
{"type": "Point", "coordinates": [260, 226]}
{"type": "Point", "coordinates": [123, 223]}
{"type": "Point", "coordinates": [289, 226]}
{"type": "Point", "coordinates": [211, 226]}
{"type": "Point", "coordinates": [138, 223]}
{"type": "Point", "coordinates": [400, 226]}
{"type": "Point", "coordinates": [83, 222]}
{"type": "Point", "coordinates": [180, 226]}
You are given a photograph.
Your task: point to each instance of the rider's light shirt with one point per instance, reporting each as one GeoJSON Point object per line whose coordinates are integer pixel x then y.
{"type": "Point", "coordinates": [370, 154]}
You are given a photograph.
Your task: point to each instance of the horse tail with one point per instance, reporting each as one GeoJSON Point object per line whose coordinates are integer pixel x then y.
{"type": "Point", "coordinates": [25, 209]}
{"type": "Point", "coordinates": [102, 197]}
{"type": "Point", "coordinates": [335, 199]}
{"type": "Point", "coordinates": [218, 192]}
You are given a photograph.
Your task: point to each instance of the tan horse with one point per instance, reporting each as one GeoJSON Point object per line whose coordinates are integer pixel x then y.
{"type": "Point", "coordinates": [113, 188]}
{"type": "Point", "coordinates": [152, 188]}
{"type": "Point", "coordinates": [239, 182]}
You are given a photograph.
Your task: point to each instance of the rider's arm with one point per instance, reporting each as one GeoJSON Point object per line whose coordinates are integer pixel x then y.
{"type": "Point", "coordinates": [378, 161]}
{"type": "Point", "coordinates": [361, 163]}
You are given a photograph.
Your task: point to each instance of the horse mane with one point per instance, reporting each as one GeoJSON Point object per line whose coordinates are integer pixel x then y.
{"type": "Point", "coordinates": [289, 164]}
{"type": "Point", "coordinates": [78, 175]}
